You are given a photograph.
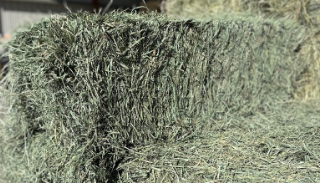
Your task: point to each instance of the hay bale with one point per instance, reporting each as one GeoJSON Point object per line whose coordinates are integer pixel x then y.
{"type": "Point", "coordinates": [280, 145]}
{"type": "Point", "coordinates": [84, 88]}
{"type": "Point", "coordinates": [304, 13]}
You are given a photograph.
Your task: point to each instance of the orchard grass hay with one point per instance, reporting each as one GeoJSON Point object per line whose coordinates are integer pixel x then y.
{"type": "Point", "coordinates": [303, 12]}
{"type": "Point", "coordinates": [91, 95]}
{"type": "Point", "coordinates": [281, 145]}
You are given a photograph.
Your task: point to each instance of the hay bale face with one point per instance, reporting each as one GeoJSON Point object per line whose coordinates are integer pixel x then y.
{"type": "Point", "coordinates": [87, 87]}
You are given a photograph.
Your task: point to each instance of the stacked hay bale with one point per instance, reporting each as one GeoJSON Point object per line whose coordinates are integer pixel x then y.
{"type": "Point", "coordinates": [303, 12]}
{"type": "Point", "coordinates": [86, 89]}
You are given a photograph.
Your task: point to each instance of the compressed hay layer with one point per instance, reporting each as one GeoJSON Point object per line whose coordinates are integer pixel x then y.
{"type": "Point", "coordinates": [303, 12]}
{"type": "Point", "coordinates": [281, 145]}
{"type": "Point", "coordinates": [84, 88]}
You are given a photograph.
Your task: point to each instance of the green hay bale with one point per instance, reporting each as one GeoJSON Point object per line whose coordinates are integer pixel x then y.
{"type": "Point", "coordinates": [303, 12]}
{"type": "Point", "coordinates": [280, 145]}
{"type": "Point", "coordinates": [84, 88]}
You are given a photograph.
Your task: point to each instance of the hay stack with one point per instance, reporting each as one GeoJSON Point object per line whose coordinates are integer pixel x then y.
{"type": "Point", "coordinates": [303, 12]}
{"type": "Point", "coordinates": [84, 89]}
